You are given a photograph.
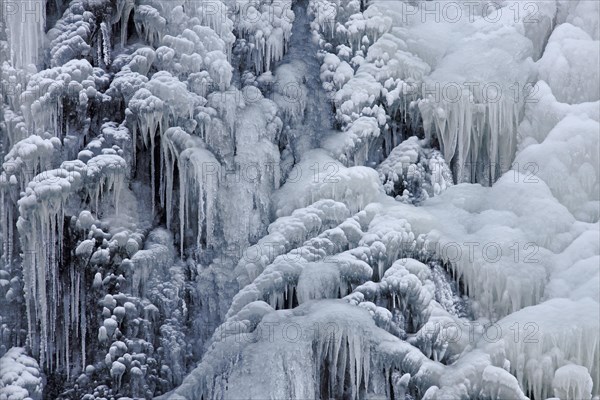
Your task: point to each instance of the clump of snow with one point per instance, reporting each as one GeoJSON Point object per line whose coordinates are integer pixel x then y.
{"type": "Point", "coordinates": [541, 342]}
{"type": "Point", "coordinates": [349, 358]}
{"type": "Point", "coordinates": [149, 23]}
{"type": "Point", "coordinates": [570, 81]}
{"type": "Point", "coordinates": [20, 377]}
{"type": "Point", "coordinates": [572, 382]}
{"type": "Point", "coordinates": [352, 146]}
{"type": "Point", "coordinates": [267, 28]}
{"type": "Point", "coordinates": [48, 91]}
{"type": "Point", "coordinates": [412, 174]}
{"type": "Point", "coordinates": [289, 232]}
{"type": "Point", "coordinates": [320, 176]}
{"type": "Point", "coordinates": [28, 157]}
{"type": "Point", "coordinates": [155, 258]}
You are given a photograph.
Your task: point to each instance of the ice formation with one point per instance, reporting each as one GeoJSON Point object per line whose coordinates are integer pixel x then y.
{"type": "Point", "coordinates": [21, 377]}
{"type": "Point", "coordinates": [299, 199]}
{"type": "Point", "coordinates": [26, 28]}
{"type": "Point", "coordinates": [197, 187]}
{"type": "Point", "coordinates": [413, 174]}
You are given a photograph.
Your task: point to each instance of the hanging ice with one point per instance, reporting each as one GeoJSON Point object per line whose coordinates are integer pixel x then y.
{"type": "Point", "coordinates": [26, 21]}
{"type": "Point", "coordinates": [257, 199]}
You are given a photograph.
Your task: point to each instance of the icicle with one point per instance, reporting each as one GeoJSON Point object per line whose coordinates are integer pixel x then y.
{"type": "Point", "coordinates": [106, 45]}
{"type": "Point", "coordinates": [200, 211]}
{"type": "Point", "coordinates": [3, 227]}
{"type": "Point", "coordinates": [5, 223]}
{"type": "Point", "coordinates": [40, 228]}
{"type": "Point", "coordinates": [26, 32]}
{"type": "Point", "coordinates": [182, 204]}
{"type": "Point", "coordinates": [83, 311]}
{"type": "Point", "coordinates": [67, 334]}
{"type": "Point", "coordinates": [125, 7]}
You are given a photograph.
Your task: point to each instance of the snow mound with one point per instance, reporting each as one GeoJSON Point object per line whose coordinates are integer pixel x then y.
{"type": "Point", "coordinates": [20, 377]}
{"type": "Point", "coordinates": [412, 174]}
{"type": "Point", "coordinates": [320, 176]}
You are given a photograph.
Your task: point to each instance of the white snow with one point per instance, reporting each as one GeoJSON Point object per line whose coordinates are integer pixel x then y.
{"type": "Point", "coordinates": [20, 377]}
{"type": "Point", "coordinates": [570, 81]}
{"type": "Point", "coordinates": [320, 176]}
{"type": "Point", "coordinates": [572, 382]}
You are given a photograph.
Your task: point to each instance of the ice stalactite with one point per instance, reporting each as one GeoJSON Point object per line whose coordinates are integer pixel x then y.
{"type": "Point", "coordinates": [105, 45]}
{"type": "Point", "coordinates": [149, 23]}
{"type": "Point", "coordinates": [251, 171]}
{"type": "Point", "coordinates": [336, 359]}
{"type": "Point", "coordinates": [352, 146]}
{"type": "Point", "coordinates": [358, 97]}
{"type": "Point", "coordinates": [242, 133]}
{"type": "Point", "coordinates": [147, 110]}
{"type": "Point", "coordinates": [278, 281]}
{"type": "Point", "coordinates": [117, 371]}
{"type": "Point", "coordinates": [13, 82]}
{"type": "Point", "coordinates": [473, 120]}
{"type": "Point", "coordinates": [572, 382]}
{"type": "Point", "coordinates": [480, 138]}
{"type": "Point", "coordinates": [474, 108]}
{"type": "Point", "coordinates": [40, 225]}
{"type": "Point", "coordinates": [164, 101]}
{"type": "Point", "coordinates": [325, 16]}
{"type": "Point", "coordinates": [198, 185]}
{"type": "Point", "coordinates": [105, 169]}
{"type": "Point", "coordinates": [104, 173]}
{"type": "Point", "coordinates": [124, 9]}
{"type": "Point", "coordinates": [267, 28]}
{"type": "Point", "coordinates": [346, 351]}
{"type": "Point", "coordinates": [216, 17]}
{"type": "Point", "coordinates": [374, 80]}
{"type": "Point", "coordinates": [26, 159]}
{"type": "Point", "coordinates": [497, 383]}
{"type": "Point", "coordinates": [337, 259]}
{"type": "Point", "coordinates": [402, 287]}
{"type": "Point", "coordinates": [155, 258]}
{"type": "Point", "coordinates": [407, 285]}
{"type": "Point", "coordinates": [50, 295]}
{"type": "Point", "coordinates": [26, 25]}
{"type": "Point", "coordinates": [548, 353]}
{"type": "Point", "coordinates": [362, 29]}
{"type": "Point", "coordinates": [341, 259]}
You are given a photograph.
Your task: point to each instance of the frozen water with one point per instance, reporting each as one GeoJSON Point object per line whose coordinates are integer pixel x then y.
{"type": "Point", "coordinates": [313, 199]}
{"type": "Point", "coordinates": [21, 377]}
